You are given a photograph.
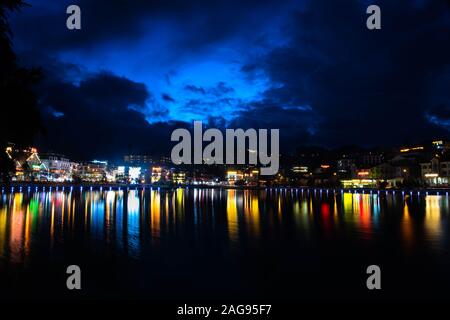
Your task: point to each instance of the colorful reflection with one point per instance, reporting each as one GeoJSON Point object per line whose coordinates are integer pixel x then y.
{"type": "Point", "coordinates": [126, 221]}
{"type": "Point", "coordinates": [232, 215]}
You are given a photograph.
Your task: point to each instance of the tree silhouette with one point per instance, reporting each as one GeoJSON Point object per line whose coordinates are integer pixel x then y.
{"type": "Point", "coordinates": [19, 115]}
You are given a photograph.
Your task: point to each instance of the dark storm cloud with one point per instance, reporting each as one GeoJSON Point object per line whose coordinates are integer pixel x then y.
{"type": "Point", "coordinates": [219, 89]}
{"type": "Point", "coordinates": [328, 80]}
{"type": "Point", "coordinates": [100, 117]}
{"type": "Point", "coordinates": [195, 89]}
{"type": "Point", "coordinates": [167, 97]}
{"type": "Point", "coordinates": [367, 86]}
{"type": "Point", "coordinates": [297, 125]}
{"type": "Point", "coordinates": [202, 21]}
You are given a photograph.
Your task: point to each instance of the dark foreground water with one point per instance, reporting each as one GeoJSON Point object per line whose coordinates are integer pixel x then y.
{"type": "Point", "coordinates": [217, 244]}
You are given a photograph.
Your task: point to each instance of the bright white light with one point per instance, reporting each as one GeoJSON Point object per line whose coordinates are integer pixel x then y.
{"type": "Point", "coordinates": [135, 172]}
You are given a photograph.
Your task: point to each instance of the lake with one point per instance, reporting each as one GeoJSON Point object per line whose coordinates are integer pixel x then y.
{"type": "Point", "coordinates": [222, 243]}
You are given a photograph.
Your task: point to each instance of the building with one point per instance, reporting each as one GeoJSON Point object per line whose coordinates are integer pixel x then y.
{"type": "Point", "coordinates": [436, 172]}
{"type": "Point", "coordinates": [141, 160]}
{"type": "Point", "coordinates": [251, 177]}
{"type": "Point", "coordinates": [58, 168]}
{"type": "Point", "coordinates": [179, 177]}
{"type": "Point", "coordinates": [235, 177]}
{"type": "Point", "coordinates": [28, 165]}
{"type": "Point", "coordinates": [441, 145]}
{"type": "Point", "coordinates": [94, 171]}
{"type": "Point", "coordinates": [383, 171]}
{"type": "Point", "coordinates": [301, 170]}
{"type": "Point", "coordinates": [345, 167]}
{"type": "Point", "coordinates": [369, 159]}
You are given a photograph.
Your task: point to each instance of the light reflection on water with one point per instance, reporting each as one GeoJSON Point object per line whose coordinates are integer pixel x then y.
{"type": "Point", "coordinates": [127, 221]}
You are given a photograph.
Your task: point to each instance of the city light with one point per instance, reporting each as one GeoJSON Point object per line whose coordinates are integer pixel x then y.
{"type": "Point", "coordinates": [134, 173]}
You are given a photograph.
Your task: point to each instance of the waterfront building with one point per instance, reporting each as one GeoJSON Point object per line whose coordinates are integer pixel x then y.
{"type": "Point", "coordinates": [161, 174]}
{"type": "Point", "coordinates": [234, 177]}
{"type": "Point", "coordinates": [436, 172]}
{"type": "Point", "coordinates": [383, 171]}
{"type": "Point", "coordinates": [251, 177]}
{"type": "Point", "coordinates": [58, 168]}
{"type": "Point", "coordinates": [359, 183]}
{"type": "Point", "coordinates": [28, 165]}
{"type": "Point", "coordinates": [94, 171]}
{"type": "Point", "coordinates": [345, 167]}
{"type": "Point", "coordinates": [179, 177]}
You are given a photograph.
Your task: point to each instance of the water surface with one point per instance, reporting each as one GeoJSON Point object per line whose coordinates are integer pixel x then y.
{"type": "Point", "coordinates": [212, 243]}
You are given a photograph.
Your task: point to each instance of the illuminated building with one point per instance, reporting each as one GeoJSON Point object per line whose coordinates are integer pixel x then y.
{"type": "Point", "coordinates": [28, 165]}
{"type": "Point", "coordinates": [179, 177]}
{"type": "Point", "coordinates": [436, 172]}
{"type": "Point", "coordinates": [156, 174]}
{"type": "Point", "coordinates": [412, 149]}
{"type": "Point", "coordinates": [345, 167]}
{"type": "Point", "coordinates": [119, 174]}
{"type": "Point", "coordinates": [441, 145]}
{"type": "Point", "coordinates": [299, 169]}
{"type": "Point", "coordinates": [59, 168]}
{"type": "Point", "coordinates": [251, 177]}
{"type": "Point", "coordinates": [359, 183]}
{"type": "Point", "coordinates": [234, 176]}
{"type": "Point", "coordinates": [134, 174]}
{"type": "Point", "coordinates": [94, 171]}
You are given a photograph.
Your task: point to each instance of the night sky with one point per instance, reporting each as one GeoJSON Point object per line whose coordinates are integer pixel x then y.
{"type": "Point", "coordinates": [139, 69]}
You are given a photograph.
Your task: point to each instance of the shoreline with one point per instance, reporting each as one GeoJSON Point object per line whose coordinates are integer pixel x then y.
{"type": "Point", "coordinates": [45, 186]}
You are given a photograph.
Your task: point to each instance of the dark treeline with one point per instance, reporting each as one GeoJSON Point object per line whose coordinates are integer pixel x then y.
{"type": "Point", "coordinates": [19, 115]}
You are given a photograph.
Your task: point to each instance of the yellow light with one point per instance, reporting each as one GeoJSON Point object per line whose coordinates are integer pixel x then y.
{"type": "Point", "coordinates": [324, 166]}
{"type": "Point", "coordinates": [363, 173]}
{"type": "Point", "coordinates": [409, 149]}
{"type": "Point", "coordinates": [431, 175]}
